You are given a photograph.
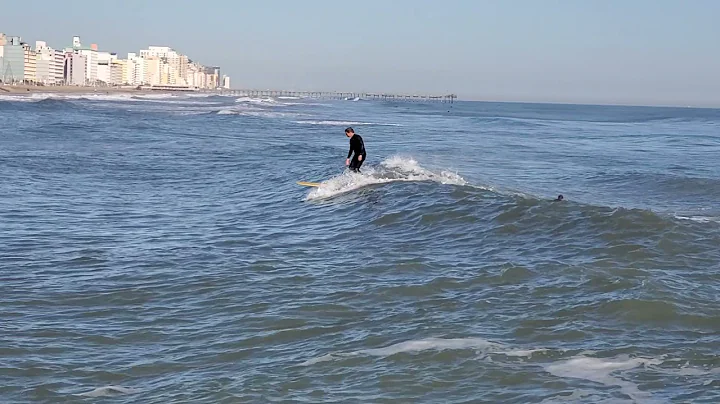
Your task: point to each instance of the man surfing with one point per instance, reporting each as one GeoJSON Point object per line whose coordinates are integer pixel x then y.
{"type": "Point", "coordinates": [358, 146]}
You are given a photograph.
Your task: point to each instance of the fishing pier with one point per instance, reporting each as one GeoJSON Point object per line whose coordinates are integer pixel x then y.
{"type": "Point", "coordinates": [449, 98]}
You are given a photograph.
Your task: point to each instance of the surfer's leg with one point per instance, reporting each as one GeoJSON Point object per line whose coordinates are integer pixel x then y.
{"type": "Point", "coordinates": [355, 163]}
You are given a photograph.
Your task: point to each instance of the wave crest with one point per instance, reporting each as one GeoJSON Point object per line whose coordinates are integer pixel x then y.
{"type": "Point", "coordinates": [393, 169]}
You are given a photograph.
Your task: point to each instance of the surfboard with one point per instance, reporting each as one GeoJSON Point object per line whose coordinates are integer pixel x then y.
{"type": "Point", "coordinates": [309, 184]}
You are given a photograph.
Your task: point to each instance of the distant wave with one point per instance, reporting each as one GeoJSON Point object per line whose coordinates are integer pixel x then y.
{"type": "Point", "coordinates": [608, 371]}
{"type": "Point", "coordinates": [700, 219]}
{"type": "Point", "coordinates": [13, 103]}
{"type": "Point", "coordinates": [345, 123]}
{"type": "Point", "coordinates": [101, 95]}
{"type": "Point", "coordinates": [256, 112]}
{"type": "Point", "coordinates": [600, 219]}
{"type": "Point", "coordinates": [259, 101]}
{"type": "Point", "coordinates": [416, 346]}
{"type": "Point", "coordinates": [108, 391]}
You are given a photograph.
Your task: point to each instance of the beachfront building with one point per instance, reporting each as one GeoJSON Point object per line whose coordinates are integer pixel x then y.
{"type": "Point", "coordinates": [30, 61]}
{"type": "Point", "coordinates": [134, 70]}
{"type": "Point", "coordinates": [166, 66]}
{"type": "Point", "coordinates": [91, 63]}
{"type": "Point", "coordinates": [75, 69]}
{"type": "Point", "coordinates": [50, 65]}
{"type": "Point", "coordinates": [218, 77]}
{"type": "Point", "coordinates": [196, 75]}
{"type": "Point", "coordinates": [103, 68]}
{"type": "Point", "coordinates": [211, 78]}
{"type": "Point", "coordinates": [12, 70]}
{"type": "Point", "coordinates": [151, 70]}
{"type": "Point", "coordinates": [90, 55]}
{"type": "Point", "coordinates": [117, 67]}
{"type": "Point", "coordinates": [200, 76]}
{"type": "Point", "coordinates": [44, 59]}
{"type": "Point", "coordinates": [3, 40]}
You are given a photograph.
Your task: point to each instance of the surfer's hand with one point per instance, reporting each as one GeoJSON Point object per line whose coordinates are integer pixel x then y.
{"type": "Point", "coordinates": [360, 157]}
{"type": "Point", "coordinates": [347, 162]}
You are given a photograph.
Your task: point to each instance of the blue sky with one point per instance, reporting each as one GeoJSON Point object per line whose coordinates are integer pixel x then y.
{"type": "Point", "coordinates": [589, 51]}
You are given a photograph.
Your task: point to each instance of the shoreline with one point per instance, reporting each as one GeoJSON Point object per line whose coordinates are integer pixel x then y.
{"type": "Point", "coordinates": [20, 90]}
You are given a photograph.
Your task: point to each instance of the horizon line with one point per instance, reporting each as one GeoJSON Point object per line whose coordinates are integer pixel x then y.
{"type": "Point", "coordinates": [458, 98]}
{"type": "Point", "coordinates": [592, 104]}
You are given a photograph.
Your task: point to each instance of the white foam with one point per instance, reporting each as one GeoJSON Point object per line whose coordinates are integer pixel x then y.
{"type": "Point", "coordinates": [95, 96]}
{"type": "Point", "coordinates": [108, 391]}
{"type": "Point", "coordinates": [345, 123]}
{"type": "Point", "coordinates": [393, 169]}
{"type": "Point", "coordinates": [578, 396]}
{"type": "Point", "coordinates": [257, 101]}
{"type": "Point", "coordinates": [600, 370]}
{"type": "Point", "coordinates": [413, 346]}
{"type": "Point", "coordinates": [204, 95]}
{"type": "Point", "coordinates": [158, 96]}
{"type": "Point", "coordinates": [16, 98]}
{"type": "Point", "coordinates": [34, 97]}
{"type": "Point", "coordinates": [686, 370]}
{"type": "Point", "coordinates": [700, 219]}
{"type": "Point", "coordinates": [437, 344]}
{"type": "Point", "coordinates": [605, 371]}
{"type": "Point", "coordinates": [103, 95]}
{"type": "Point", "coordinates": [526, 353]}
{"type": "Point", "coordinates": [252, 111]}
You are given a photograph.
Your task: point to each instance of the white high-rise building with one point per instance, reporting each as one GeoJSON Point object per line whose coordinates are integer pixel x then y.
{"type": "Point", "coordinates": [30, 63]}
{"type": "Point", "coordinates": [43, 60]}
{"type": "Point", "coordinates": [59, 67]}
{"type": "Point", "coordinates": [50, 64]}
{"type": "Point", "coordinates": [116, 72]}
{"type": "Point", "coordinates": [134, 70]}
{"type": "Point", "coordinates": [91, 58]}
{"type": "Point", "coordinates": [152, 70]}
{"type": "Point", "coordinates": [75, 69]}
{"type": "Point", "coordinates": [173, 66]}
{"type": "Point", "coordinates": [226, 82]}
{"type": "Point", "coordinates": [197, 75]}
{"type": "Point", "coordinates": [103, 67]}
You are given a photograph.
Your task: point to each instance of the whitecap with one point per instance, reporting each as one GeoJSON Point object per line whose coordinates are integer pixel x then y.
{"type": "Point", "coordinates": [393, 169]}
{"type": "Point", "coordinates": [601, 370]}
{"type": "Point", "coordinates": [413, 346]}
{"type": "Point", "coordinates": [108, 391]}
{"type": "Point", "coordinates": [345, 123]}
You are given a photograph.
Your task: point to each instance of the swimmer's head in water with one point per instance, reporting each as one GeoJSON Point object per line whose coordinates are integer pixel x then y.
{"type": "Point", "coordinates": [560, 197]}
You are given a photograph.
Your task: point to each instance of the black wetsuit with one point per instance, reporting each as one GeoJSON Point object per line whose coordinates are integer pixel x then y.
{"type": "Point", "coordinates": [358, 146]}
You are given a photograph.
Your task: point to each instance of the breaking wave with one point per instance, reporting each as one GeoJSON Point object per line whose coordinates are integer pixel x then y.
{"type": "Point", "coordinates": [393, 169]}
{"type": "Point", "coordinates": [619, 371]}
{"type": "Point", "coordinates": [345, 123]}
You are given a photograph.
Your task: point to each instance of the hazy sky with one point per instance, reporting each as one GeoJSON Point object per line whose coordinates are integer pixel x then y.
{"type": "Point", "coordinates": [596, 51]}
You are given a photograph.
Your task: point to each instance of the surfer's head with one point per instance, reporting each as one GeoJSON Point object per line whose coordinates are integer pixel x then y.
{"type": "Point", "coordinates": [349, 132]}
{"type": "Point", "coordinates": [560, 198]}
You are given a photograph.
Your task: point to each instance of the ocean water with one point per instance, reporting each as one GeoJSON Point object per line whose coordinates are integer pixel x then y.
{"type": "Point", "coordinates": [157, 249]}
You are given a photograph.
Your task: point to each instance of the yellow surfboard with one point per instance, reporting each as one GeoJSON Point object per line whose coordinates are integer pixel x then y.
{"type": "Point", "coordinates": [309, 184]}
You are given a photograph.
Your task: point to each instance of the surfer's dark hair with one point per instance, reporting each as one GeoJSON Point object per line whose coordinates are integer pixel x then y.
{"type": "Point", "coordinates": [349, 130]}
